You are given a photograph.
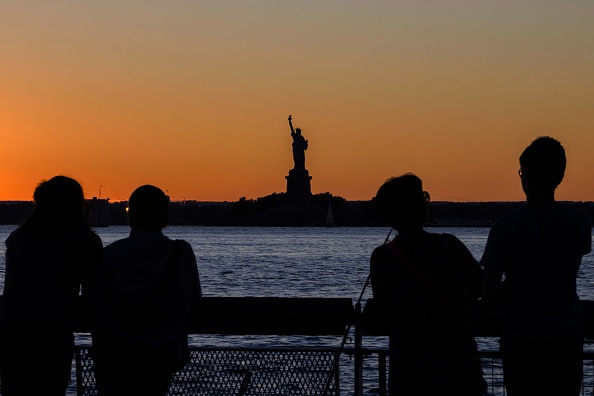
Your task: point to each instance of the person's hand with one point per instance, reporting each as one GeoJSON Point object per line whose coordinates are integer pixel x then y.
{"type": "Point", "coordinates": [290, 118]}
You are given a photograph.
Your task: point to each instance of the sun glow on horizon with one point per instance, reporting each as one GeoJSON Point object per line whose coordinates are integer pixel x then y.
{"type": "Point", "coordinates": [194, 97]}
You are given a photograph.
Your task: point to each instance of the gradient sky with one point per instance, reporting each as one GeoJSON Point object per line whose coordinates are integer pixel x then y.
{"type": "Point", "coordinates": [193, 96]}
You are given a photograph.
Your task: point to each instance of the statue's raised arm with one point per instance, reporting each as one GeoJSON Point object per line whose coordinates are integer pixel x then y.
{"type": "Point", "coordinates": [291, 125]}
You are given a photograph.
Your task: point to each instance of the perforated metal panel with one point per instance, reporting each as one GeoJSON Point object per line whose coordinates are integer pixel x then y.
{"type": "Point", "coordinates": [241, 372]}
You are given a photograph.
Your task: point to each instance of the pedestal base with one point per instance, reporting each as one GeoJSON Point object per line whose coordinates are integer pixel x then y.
{"type": "Point", "coordinates": [298, 185]}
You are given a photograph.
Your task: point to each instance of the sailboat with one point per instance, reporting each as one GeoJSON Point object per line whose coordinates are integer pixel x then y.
{"type": "Point", "coordinates": [329, 217]}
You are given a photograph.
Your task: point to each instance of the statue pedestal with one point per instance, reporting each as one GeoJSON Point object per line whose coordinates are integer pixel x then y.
{"type": "Point", "coordinates": [298, 185]}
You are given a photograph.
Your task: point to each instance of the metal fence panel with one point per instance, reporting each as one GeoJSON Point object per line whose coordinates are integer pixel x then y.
{"type": "Point", "coordinates": [241, 372]}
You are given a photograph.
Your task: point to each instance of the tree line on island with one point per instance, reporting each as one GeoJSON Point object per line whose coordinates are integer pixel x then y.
{"type": "Point", "coordinates": [276, 210]}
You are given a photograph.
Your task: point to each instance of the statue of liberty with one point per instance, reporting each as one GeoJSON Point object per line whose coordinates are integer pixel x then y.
{"type": "Point", "coordinates": [299, 147]}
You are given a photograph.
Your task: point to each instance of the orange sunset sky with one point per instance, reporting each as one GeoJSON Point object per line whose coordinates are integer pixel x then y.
{"type": "Point", "coordinates": [193, 96]}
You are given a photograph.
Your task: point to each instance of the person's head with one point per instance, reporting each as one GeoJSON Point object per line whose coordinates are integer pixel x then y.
{"type": "Point", "coordinates": [298, 131]}
{"type": "Point", "coordinates": [148, 207]}
{"type": "Point", "coordinates": [402, 203]}
{"type": "Point", "coordinates": [59, 203]}
{"type": "Point", "coordinates": [542, 164]}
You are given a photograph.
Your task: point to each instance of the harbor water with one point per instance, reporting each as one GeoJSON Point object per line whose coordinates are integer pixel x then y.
{"type": "Point", "coordinates": [293, 262]}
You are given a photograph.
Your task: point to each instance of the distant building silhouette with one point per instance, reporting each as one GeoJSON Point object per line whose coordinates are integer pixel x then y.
{"type": "Point", "coordinates": [99, 212]}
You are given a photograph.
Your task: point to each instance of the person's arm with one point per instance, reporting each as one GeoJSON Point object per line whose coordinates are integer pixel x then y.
{"type": "Point", "coordinates": [587, 233]}
{"type": "Point", "coordinates": [197, 294]}
{"type": "Point", "coordinates": [89, 271]}
{"type": "Point", "coordinates": [468, 267]}
{"type": "Point", "coordinates": [492, 271]}
{"type": "Point", "coordinates": [190, 258]}
{"type": "Point", "coordinates": [378, 278]}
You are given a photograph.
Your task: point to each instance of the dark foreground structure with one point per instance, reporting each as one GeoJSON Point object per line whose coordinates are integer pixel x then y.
{"type": "Point", "coordinates": [304, 370]}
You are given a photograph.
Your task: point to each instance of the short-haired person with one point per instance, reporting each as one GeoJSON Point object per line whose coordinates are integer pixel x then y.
{"type": "Point", "coordinates": [144, 290]}
{"type": "Point", "coordinates": [422, 282]}
{"type": "Point", "coordinates": [538, 249]}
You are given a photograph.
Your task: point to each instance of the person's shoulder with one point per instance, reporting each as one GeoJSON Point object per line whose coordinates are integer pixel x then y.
{"type": "Point", "coordinates": [184, 246]}
{"type": "Point", "coordinates": [578, 214]}
{"type": "Point", "coordinates": [91, 235]}
{"type": "Point", "coordinates": [181, 243]}
{"type": "Point", "coordinates": [580, 219]}
{"type": "Point", "coordinates": [115, 246]}
{"type": "Point", "coordinates": [510, 220]}
{"type": "Point", "coordinates": [446, 238]}
{"type": "Point", "coordinates": [440, 235]}
{"type": "Point", "coordinates": [380, 257]}
{"type": "Point", "coordinates": [380, 249]}
{"type": "Point", "coordinates": [93, 242]}
{"type": "Point", "coordinates": [447, 242]}
{"type": "Point", "coordinates": [17, 232]}
{"type": "Point", "coordinates": [16, 235]}
{"type": "Point", "coordinates": [380, 253]}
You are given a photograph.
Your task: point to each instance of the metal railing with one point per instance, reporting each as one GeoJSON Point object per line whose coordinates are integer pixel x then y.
{"type": "Point", "coordinates": [492, 372]}
{"type": "Point", "coordinates": [241, 372]}
{"type": "Point", "coordinates": [291, 371]}
{"type": "Point", "coordinates": [304, 370]}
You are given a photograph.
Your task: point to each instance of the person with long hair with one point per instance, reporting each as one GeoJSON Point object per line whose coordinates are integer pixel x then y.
{"type": "Point", "coordinates": [422, 283]}
{"type": "Point", "coordinates": [50, 259]}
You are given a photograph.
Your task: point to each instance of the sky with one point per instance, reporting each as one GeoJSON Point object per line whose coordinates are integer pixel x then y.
{"type": "Point", "coordinates": [193, 96]}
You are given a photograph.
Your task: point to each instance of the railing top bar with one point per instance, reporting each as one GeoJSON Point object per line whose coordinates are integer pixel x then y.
{"type": "Point", "coordinates": [272, 316]}
{"type": "Point", "coordinates": [487, 321]}
{"type": "Point", "coordinates": [314, 316]}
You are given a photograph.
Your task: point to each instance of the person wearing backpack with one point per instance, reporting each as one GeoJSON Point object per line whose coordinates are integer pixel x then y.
{"type": "Point", "coordinates": [422, 283]}
{"type": "Point", "coordinates": [145, 288]}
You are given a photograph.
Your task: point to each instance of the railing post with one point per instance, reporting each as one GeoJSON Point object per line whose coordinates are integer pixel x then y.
{"type": "Point", "coordinates": [382, 374]}
{"type": "Point", "coordinates": [79, 372]}
{"type": "Point", "coordinates": [358, 352]}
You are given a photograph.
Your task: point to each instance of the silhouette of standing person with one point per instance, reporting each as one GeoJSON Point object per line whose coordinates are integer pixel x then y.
{"type": "Point", "coordinates": [49, 258]}
{"type": "Point", "coordinates": [145, 287]}
{"type": "Point", "coordinates": [538, 250]}
{"type": "Point", "coordinates": [422, 282]}
{"type": "Point", "coordinates": [299, 146]}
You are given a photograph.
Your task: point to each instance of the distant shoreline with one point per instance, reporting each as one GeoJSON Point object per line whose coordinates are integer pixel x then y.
{"type": "Point", "coordinates": [274, 211]}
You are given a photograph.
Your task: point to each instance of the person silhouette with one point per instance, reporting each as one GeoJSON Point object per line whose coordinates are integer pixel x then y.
{"type": "Point", "coordinates": [145, 288]}
{"type": "Point", "coordinates": [422, 282]}
{"type": "Point", "coordinates": [537, 250]}
{"type": "Point", "coordinates": [299, 146]}
{"type": "Point", "coordinates": [49, 259]}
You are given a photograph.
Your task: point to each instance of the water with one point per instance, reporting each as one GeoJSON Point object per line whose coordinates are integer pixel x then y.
{"type": "Point", "coordinates": [293, 262]}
